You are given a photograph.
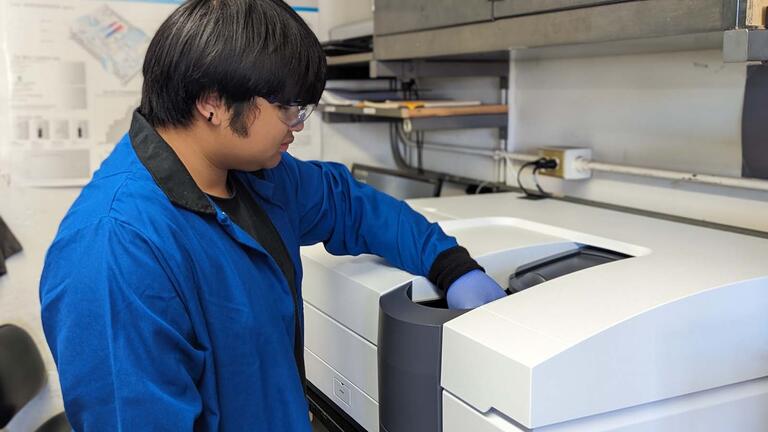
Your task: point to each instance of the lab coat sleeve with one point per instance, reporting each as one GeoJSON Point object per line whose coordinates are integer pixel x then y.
{"type": "Point", "coordinates": [118, 332]}
{"type": "Point", "coordinates": [352, 218]}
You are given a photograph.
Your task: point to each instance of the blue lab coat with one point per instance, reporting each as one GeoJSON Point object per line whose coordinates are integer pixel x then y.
{"type": "Point", "coordinates": [162, 314]}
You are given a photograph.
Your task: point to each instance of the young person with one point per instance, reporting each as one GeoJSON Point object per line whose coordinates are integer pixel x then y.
{"type": "Point", "coordinates": [171, 296]}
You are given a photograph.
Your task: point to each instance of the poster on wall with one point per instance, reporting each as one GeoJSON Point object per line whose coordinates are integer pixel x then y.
{"type": "Point", "coordinates": [71, 80]}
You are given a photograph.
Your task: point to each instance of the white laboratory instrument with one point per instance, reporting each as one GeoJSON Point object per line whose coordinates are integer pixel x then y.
{"type": "Point", "coordinates": [628, 323]}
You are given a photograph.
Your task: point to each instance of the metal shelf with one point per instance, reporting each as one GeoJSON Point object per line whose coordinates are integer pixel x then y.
{"type": "Point", "coordinates": [349, 59]}
{"type": "Point", "coordinates": [483, 116]}
{"type": "Point", "coordinates": [403, 113]}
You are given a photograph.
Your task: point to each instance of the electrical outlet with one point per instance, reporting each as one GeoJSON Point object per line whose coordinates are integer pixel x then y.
{"type": "Point", "coordinates": [566, 162]}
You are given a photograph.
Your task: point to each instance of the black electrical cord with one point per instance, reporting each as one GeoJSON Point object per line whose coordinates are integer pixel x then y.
{"type": "Point", "coordinates": [420, 151]}
{"type": "Point", "coordinates": [409, 89]}
{"type": "Point", "coordinates": [539, 164]}
{"type": "Point", "coordinates": [536, 181]}
{"type": "Point", "coordinates": [519, 180]}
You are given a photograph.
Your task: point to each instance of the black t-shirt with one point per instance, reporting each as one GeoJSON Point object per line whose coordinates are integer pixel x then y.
{"type": "Point", "coordinates": [243, 209]}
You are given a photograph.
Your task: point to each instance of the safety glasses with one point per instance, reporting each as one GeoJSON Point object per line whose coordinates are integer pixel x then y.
{"type": "Point", "coordinates": [294, 115]}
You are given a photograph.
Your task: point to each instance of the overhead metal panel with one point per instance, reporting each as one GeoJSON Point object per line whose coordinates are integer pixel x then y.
{"type": "Point", "coordinates": [625, 21]}
{"type": "Point", "coordinates": [509, 8]}
{"type": "Point", "coordinates": [399, 16]}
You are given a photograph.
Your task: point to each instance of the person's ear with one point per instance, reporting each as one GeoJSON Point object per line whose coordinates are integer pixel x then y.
{"type": "Point", "coordinates": [211, 108]}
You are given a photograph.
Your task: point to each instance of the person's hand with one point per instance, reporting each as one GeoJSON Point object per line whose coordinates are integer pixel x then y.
{"type": "Point", "coordinates": [473, 289]}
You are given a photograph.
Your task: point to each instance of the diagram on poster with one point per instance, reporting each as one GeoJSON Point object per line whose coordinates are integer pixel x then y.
{"type": "Point", "coordinates": [72, 78]}
{"type": "Point", "coordinates": [112, 40]}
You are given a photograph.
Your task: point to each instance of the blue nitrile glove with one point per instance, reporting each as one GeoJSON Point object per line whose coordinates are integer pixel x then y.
{"type": "Point", "coordinates": [473, 289]}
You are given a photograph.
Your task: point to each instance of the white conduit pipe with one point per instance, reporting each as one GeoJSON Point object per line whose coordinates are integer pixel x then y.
{"type": "Point", "coordinates": [732, 182]}
{"type": "Point", "coordinates": [455, 149]}
{"type": "Point", "coordinates": [588, 165]}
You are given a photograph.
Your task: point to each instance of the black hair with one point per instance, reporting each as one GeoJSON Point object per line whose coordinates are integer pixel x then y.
{"type": "Point", "coordinates": [238, 49]}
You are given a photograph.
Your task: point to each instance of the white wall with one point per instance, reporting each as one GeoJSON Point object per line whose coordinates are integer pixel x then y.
{"type": "Point", "coordinates": [672, 110]}
{"type": "Point", "coordinates": [678, 111]}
